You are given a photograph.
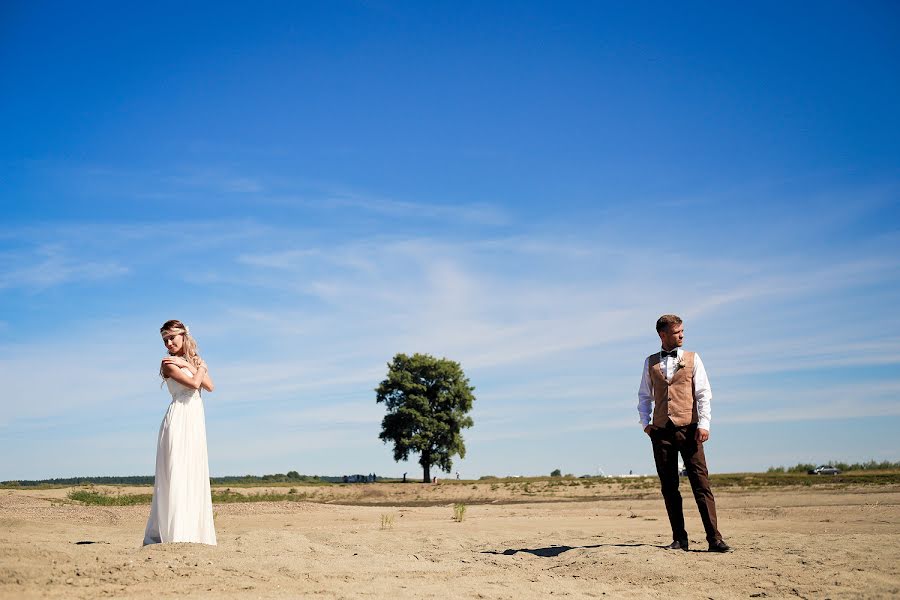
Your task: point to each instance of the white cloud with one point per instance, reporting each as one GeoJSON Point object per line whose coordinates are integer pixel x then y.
{"type": "Point", "coordinates": [298, 329]}
{"type": "Point", "coordinates": [52, 265]}
{"type": "Point", "coordinates": [480, 214]}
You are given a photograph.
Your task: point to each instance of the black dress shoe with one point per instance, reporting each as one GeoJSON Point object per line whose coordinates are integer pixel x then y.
{"type": "Point", "coordinates": [678, 545]}
{"type": "Point", "coordinates": [719, 546]}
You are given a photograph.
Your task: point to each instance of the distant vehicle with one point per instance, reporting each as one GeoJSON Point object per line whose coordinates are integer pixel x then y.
{"type": "Point", "coordinates": [824, 470]}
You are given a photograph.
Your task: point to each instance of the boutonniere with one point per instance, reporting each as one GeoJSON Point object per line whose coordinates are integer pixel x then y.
{"type": "Point", "coordinates": [680, 364]}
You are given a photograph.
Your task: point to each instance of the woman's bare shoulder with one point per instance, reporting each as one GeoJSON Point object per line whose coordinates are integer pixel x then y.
{"type": "Point", "coordinates": [168, 366]}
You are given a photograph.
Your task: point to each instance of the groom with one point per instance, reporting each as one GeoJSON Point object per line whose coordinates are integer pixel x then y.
{"type": "Point", "coordinates": [674, 382]}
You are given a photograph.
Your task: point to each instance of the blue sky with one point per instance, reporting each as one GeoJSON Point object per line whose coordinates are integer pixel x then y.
{"type": "Point", "coordinates": [521, 187]}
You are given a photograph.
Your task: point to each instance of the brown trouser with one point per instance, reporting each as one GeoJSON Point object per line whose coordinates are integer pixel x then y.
{"type": "Point", "coordinates": [668, 442]}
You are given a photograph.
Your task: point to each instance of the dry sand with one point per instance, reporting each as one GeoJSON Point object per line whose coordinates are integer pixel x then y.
{"type": "Point", "coordinates": [810, 542]}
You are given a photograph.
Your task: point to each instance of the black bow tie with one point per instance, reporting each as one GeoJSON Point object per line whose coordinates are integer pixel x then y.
{"type": "Point", "coordinates": [673, 353]}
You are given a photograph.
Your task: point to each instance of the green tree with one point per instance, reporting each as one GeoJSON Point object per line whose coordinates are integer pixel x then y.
{"type": "Point", "coordinates": [427, 401]}
{"type": "Point", "coordinates": [556, 473]}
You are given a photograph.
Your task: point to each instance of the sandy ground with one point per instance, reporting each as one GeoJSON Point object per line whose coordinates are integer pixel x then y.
{"type": "Point", "coordinates": [809, 543]}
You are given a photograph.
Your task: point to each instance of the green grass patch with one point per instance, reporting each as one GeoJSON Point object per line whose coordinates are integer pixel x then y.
{"type": "Point", "coordinates": [229, 497]}
{"type": "Point", "coordinates": [95, 498]}
{"type": "Point", "coordinates": [756, 480]}
{"type": "Point", "coordinates": [523, 487]}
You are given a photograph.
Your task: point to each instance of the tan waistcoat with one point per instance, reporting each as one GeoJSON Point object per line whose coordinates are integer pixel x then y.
{"type": "Point", "coordinates": [673, 399]}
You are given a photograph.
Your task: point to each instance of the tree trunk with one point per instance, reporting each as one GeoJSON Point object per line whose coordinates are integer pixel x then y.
{"type": "Point", "coordinates": [426, 467]}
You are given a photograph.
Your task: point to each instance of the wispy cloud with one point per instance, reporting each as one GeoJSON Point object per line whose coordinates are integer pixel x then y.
{"type": "Point", "coordinates": [481, 214]}
{"type": "Point", "coordinates": [298, 324]}
{"type": "Point", "coordinates": [769, 404]}
{"type": "Point", "coordinates": [52, 265]}
{"type": "Point", "coordinates": [196, 183]}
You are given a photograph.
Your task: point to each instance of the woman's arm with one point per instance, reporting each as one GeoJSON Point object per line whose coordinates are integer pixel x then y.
{"type": "Point", "coordinates": [207, 384]}
{"type": "Point", "coordinates": [171, 368]}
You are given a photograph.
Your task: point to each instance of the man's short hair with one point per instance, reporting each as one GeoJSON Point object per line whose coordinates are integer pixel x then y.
{"type": "Point", "coordinates": [666, 320]}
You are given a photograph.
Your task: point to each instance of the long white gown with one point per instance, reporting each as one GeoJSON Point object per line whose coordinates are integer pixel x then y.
{"type": "Point", "coordinates": [182, 504]}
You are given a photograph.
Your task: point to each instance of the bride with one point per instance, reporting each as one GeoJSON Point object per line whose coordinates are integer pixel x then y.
{"type": "Point", "coordinates": [182, 505]}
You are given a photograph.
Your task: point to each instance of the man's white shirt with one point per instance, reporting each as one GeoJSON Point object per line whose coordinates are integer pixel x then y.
{"type": "Point", "coordinates": [702, 391]}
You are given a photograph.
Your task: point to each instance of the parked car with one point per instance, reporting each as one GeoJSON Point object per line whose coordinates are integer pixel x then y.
{"type": "Point", "coordinates": [824, 470]}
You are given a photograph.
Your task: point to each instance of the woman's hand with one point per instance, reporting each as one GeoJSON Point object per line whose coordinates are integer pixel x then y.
{"type": "Point", "coordinates": [179, 362]}
{"type": "Point", "coordinates": [208, 384]}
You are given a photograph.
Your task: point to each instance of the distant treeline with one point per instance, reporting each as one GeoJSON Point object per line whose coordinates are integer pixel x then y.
{"type": "Point", "coordinates": [871, 465]}
{"type": "Point", "coordinates": [131, 480]}
{"type": "Point", "coordinates": [289, 477]}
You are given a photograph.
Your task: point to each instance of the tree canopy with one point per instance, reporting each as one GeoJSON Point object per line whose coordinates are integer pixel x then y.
{"type": "Point", "coordinates": [428, 400]}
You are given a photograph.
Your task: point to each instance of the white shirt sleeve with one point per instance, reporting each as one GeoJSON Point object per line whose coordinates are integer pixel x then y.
{"type": "Point", "coordinates": [702, 393]}
{"type": "Point", "coordinates": [644, 396]}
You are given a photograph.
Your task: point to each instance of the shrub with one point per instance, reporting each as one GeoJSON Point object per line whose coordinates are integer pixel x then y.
{"type": "Point", "coordinates": [459, 512]}
{"type": "Point", "coordinates": [91, 497]}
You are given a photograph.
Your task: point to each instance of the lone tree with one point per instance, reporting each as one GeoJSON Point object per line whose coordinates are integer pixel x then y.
{"type": "Point", "coordinates": [427, 400]}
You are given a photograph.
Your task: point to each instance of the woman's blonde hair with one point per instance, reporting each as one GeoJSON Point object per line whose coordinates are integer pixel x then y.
{"type": "Point", "coordinates": [190, 351]}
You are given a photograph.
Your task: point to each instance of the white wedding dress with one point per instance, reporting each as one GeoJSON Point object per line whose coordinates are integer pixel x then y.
{"type": "Point", "coordinates": [182, 504]}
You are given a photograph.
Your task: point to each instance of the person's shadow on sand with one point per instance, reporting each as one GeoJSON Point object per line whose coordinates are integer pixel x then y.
{"type": "Point", "coordinates": [554, 550]}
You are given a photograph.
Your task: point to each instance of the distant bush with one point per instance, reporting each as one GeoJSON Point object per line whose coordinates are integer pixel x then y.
{"type": "Point", "coordinates": [798, 468]}
{"type": "Point", "coordinates": [871, 465]}
{"type": "Point", "coordinates": [555, 473]}
{"type": "Point", "coordinates": [483, 477]}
